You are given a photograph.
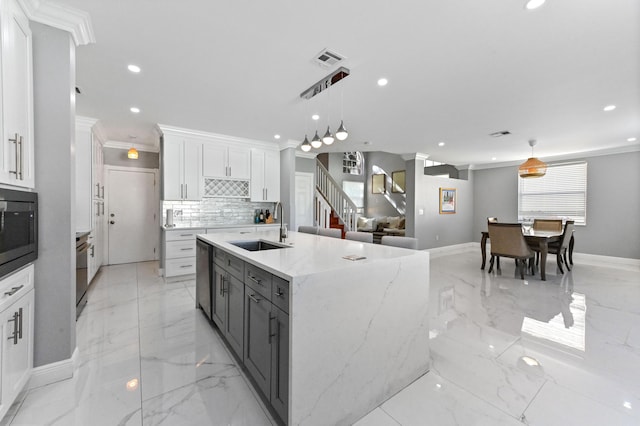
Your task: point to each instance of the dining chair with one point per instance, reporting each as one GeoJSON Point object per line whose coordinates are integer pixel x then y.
{"type": "Point", "coordinates": [561, 248]}
{"type": "Point", "coordinates": [330, 232]}
{"type": "Point", "coordinates": [308, 229]}
{"type": "Point", "coordinates": [492, 220]}
{"type": "Point", "coordinates": [507, 241]}
{"type": "Point", "coordinates": [365, 237]}
{"type": "Point", "coordinates": [403, 242]}
{"type": "Point", "coordinates": [553, 225]}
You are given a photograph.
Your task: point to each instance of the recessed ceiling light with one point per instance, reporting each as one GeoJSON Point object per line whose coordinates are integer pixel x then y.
{"type": "Point", "coordinates": [631, 140]}
{"type": "Point", "coordinates": [530, 361]}
{"type": "Point", "coordinates": [609, 108]}
{"type": "Point", "coordinates": [315, 117]}
{"type": "Point", "coordinates": [440, 143]}
{"type": "Point", "coordinates": [534, 4]}
{"type": "Point", "coordinates": [134, 110]}
{"type": "Point", "coordinates": [627, 404]}
{"type": "Point", "coordinates": [276, 136]}
{"type": "Point", "coordinates": [134, 68]}
{"type": "Point", "coordinates": [493, 158]}
{"type": "Point", "coordinates": [383, 82]}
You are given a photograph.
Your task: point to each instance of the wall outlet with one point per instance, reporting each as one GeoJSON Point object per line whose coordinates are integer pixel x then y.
{"type": "Point", "coordinates": [420, 212]}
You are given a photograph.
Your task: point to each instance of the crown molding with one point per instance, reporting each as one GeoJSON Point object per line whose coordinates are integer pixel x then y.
{"type": "Point", "coordinates": [418, 156]}
{"type": "Point", "coordinates": [85, 123]}
{"type": "Point", "coordinates": [127, 145]}
{"type": "Point", "coordinates": [290, 143]}
{"type": "Point", "coordinates": [99, 132]}
{"type": "Point", "coordinates": [72, 20]}
{"type": "Point", "coordinates": [163, 129]}
{"type": "Point", "coordinates": [310, 155]}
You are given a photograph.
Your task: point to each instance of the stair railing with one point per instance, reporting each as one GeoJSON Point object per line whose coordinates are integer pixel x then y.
{"type": "Point", "coordinates": [335, 198]}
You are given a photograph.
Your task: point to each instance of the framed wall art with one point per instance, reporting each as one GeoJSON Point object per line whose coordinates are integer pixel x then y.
{"type": "Point", "coordinates": [448, 200]}
{"type": "Point", "coordinates": [378, 185]}
{"type": "Point", "coordinates": [398, 182]}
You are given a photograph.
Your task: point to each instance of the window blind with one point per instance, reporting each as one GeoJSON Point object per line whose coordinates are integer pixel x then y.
{"type": "Point", "coordinates": [561, 193]}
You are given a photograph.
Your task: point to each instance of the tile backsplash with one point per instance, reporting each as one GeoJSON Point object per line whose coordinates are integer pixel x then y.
{"type": "Point", "coordinates": [214, 211]}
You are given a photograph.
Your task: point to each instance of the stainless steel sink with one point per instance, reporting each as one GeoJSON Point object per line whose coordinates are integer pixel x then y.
{"type": "Point", "coordinates": [257, 245]}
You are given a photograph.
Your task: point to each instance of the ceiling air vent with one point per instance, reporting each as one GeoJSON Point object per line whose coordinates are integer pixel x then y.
{"type": "Point", "coordinates": [500, 133]}
{"type": "Point", "coordinates": [327, 58]}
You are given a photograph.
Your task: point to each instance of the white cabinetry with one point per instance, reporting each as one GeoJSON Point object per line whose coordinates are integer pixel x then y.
{"type": "Point", "coordinates": [16, 146]}
{"type": "Point", "coordinates": [265, 175]}
{"type": "Point", "coordinates": [226, 161]}
{"type": "Point", "coordinates": [16, 317]}
{"type": "Point", "coordinates": [180, 252]}
{"type": "Point", "coordinates": [181, 170]}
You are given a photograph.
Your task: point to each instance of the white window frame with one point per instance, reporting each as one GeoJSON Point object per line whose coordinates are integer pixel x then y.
{"type": "Point", "coordinates": [560, 194]}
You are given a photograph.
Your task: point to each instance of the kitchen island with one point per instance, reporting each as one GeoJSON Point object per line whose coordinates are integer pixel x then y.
{"type": "Point", "coordinates": [348, 334]}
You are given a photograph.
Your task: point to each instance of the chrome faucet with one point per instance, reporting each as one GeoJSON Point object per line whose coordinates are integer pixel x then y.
{"type": "Point", "coordinates": [283, 230]}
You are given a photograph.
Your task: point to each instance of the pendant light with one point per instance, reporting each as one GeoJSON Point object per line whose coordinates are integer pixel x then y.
{"type": "Point", "coordinates": [306, 146]}
{"type": "Point", "coordinates": [316, 142]}
{"type": "Point", "coordinates": [132, 154]}
{"type": "Point", "coordinates": [328, 137]}
{"type": "Point", "coordinates": [341, 133]}
{"type": "Point", "coordinates": [532, 168]}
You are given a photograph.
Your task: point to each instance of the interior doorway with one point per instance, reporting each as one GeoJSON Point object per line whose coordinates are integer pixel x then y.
{"type": "Point", "coordinates": [304, 188]}
{"type": "Point", "coordinates": [132, 220]}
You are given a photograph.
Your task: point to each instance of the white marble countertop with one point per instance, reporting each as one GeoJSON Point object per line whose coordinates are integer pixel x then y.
{"type": "Point", "coordinates": [306, 254]}
{"type": "Point", "coordinates": [205, 225]}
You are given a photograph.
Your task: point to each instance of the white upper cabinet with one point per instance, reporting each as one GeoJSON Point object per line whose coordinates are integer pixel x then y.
{"type": "Point", "coordinates": [181, 169]}
{"type": "Point", "coordinates": [265, 175]}
{"type": "Point", "coordinates": [16, 147]}
{"type": "Point", "coordinates": [226, 161]}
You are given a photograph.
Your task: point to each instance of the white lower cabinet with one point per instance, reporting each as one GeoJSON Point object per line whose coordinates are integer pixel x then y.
{"type": "Point", "coordinates": [16, 317]}
{"type": "Point", "coordinates": [180, 252]}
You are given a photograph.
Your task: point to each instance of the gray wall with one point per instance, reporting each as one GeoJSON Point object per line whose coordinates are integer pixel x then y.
{"type": "Point", "coordinates": [305, 165]}
{"type": "Point", "coordinates": [390, 203]}
{"type": "Point", "coordinates": [288, 186]}
{"type": "Point", "coordinates": [613, 203]}
{"type": "Point", "coordinates": [54, 128]}
{"type": "Point", "coordinates": [118, 157]}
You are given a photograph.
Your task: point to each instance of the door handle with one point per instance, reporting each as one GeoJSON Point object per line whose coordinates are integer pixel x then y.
{"type": "Point", "coordinates": [112, 222]}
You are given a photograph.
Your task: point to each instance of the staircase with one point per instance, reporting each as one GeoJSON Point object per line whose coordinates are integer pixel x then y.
{"type": "Point", "coordinates": [333, 207]}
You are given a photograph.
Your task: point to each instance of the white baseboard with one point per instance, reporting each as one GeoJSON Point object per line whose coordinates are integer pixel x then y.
{"type": "Point", "coordinates": [607, 261]}
{"type": "Point", "coordinates": [54, 372]}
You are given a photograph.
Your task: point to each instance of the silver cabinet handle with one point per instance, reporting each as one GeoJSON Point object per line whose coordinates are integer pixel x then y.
{"type": "Point", "coordinates": [93, 251]}
{"type": "Point", "coordinates": [15, 319]}
{"type": "Point", "coordinates": [266, 194]}
{"type": "Point", "coordinates": [181, 191]}
{"type": "Point", "coordinates": [102, 192]}
{"type": "Point", "coordinates": [13, 290]}
{"type": "Point", "coordinates": [97, 190]}
{"type": "Point", "coordinates": [255, 299]}
{"type": "Point", "coordinates": [186, 190]}
{"type": "Point", "coordinates": [270, 332]}
{"type": "Point", "coordinates": [15, 141]}
{"type": "Point", "coordinates": [186, 266]}
{"type": "Point", "coordinates": [102, 204]}
{"type": "Point", "coordinates": [20, 324]}
{"type": "Point", "coordinates": [186, 249]}
{"type": "Point", "coordinates": [186, 235]}
{"type": "Point", "coordinates": [20, 176]}
{"type": "Point", "coordinates": [279, 293]}
{"type": "Point", "coordinates": [255, 280]}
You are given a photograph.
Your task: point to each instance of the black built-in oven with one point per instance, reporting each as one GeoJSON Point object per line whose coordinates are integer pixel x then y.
{"type": "Point", "coordinates": [18, 229]}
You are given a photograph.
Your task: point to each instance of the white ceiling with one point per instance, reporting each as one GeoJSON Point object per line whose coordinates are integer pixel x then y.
{"type": "Point", "coordinates": [458, 70]}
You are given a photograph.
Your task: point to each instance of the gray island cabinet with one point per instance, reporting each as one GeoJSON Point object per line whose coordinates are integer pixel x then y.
{"type": "Point", "coordinates": [324, 339]}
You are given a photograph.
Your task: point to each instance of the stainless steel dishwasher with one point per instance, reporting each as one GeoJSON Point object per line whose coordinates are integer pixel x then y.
{"type": "Point", "coordinates": [203, 276]}
{"type": "Point", "coordinates": [82, 283]}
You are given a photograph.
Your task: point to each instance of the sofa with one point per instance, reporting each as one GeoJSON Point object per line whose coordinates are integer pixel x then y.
{"type": "Point", "coordinates": [381, 226]}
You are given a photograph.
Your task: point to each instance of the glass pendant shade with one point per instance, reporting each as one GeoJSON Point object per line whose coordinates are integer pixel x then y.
{"type": "Point", "coordinates": [342, 133]}
{"type": "Point", "coordinates": [132, 154]}
{"type": "Point", "coordinates": [316, 142]}
{"type": "Point", "coordinates": [328, 137]}
{"type": "Point", "coordinates": [306, 146]}
{"type": "Point", "coordinates": [532, 168]}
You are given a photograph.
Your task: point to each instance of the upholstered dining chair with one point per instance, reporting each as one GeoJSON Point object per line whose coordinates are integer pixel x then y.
{"type": "Point", "coordinates": [404, 242]}
{"type": "Point", "coordinates": [507, 241]}
{"type": "Point", "coordinates": [492, 220]}
{"type": "Point", "coordinates": [561, 247]}
{"type": "Point", "coordinates": [365, 237]}
{"type": "Point", "coordinates": [308, 229]}
{"type": "Point", "coordinates": [553, 225]}
{"type": "Point", "coordinates": [330, 232]}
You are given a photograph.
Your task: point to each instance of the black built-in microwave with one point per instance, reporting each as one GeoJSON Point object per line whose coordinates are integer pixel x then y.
{"type": "Point", "coordinates": [18, 229]}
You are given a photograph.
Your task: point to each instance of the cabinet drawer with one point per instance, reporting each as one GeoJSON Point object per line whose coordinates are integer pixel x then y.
{"type": "Point", "coordinates": [178, 249]}
{"type": "Point", "coordinates": [280, 293]}
{"type": "Point", "coordinates": [186, 234]}
{"type": "Point", "coordinates": [182, 266]}
{"type": "Point", "coordinates": [15, 286]}
{"type": "Point", "coordinates": [229, 263]}
{"type": "Point", "coordinates": [258, 279]}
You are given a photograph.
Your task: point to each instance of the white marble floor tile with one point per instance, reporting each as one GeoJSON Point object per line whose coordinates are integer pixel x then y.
{"type": "Point", "coordinates": [557, 406]}
{"type": "Point", "coordinates": [377, 418]}
{"type": "Point", "coordinates": [224, 399]}
{"type": "Point", "coordinates": [434, 401]}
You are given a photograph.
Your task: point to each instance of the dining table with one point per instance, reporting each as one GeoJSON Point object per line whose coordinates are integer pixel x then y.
{"type": "Point", "coordinates": [535, 238]}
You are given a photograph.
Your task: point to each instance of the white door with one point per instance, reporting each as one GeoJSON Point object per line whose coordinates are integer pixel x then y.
{"type": "Point", "coordinates": [132, 223]}
{"type": "Point", "coordinates": [304, 199]}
